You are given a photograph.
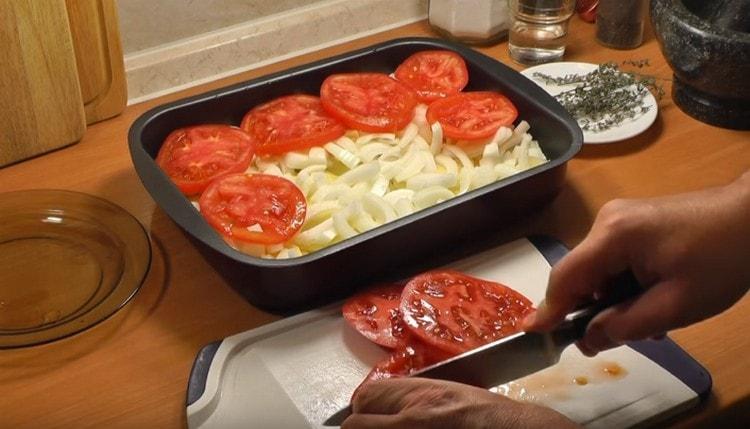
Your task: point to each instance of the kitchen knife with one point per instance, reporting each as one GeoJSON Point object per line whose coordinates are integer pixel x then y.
{"type": "Point", "coordinates": [520, 354]}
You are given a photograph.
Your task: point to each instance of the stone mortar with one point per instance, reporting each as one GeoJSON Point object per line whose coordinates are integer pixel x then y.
{"type": "Point", "coordinates": [709, 52]}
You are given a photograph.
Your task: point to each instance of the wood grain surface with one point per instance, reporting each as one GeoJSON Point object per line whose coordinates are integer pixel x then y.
{"type": "Point", "coordinates": [131, 371]}
{"type": "Point", "coordinates": [98, 49]}
{"type": "Point", "coordinates": [40, 98]}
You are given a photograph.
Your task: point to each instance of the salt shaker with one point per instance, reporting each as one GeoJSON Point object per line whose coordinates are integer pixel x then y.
{"type": "Point", "coordinates": [479, 22]}
{"type": "Point", "coordinates": [619, 23]}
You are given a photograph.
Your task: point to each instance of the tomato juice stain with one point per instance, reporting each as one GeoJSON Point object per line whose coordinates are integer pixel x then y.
{"type": "Point", "coordinates": [580, 380]}
{"type": "Point", "coordinates": [613, 370]}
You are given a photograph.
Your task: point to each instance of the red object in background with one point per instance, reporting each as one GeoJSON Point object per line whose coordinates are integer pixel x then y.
{"type": "Point", "coordinates": [587, 9]}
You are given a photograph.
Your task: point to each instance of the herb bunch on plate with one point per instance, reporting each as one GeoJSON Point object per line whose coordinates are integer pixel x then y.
{"type": "Point", "coordinates": [605, 97]}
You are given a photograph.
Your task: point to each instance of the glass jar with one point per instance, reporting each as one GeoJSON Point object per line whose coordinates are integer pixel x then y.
{"type": "Point", "coordinates": [619, 23]}
{"type": "Point", "coordinates": [479, 22]}
{"type": "Point", "coordinates": [539, 30]}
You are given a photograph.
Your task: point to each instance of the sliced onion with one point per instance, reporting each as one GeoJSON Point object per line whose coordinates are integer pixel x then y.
{"type": "Point", "coordinates": [252, 249]}
{"type": "Point", "coordinates": [515, 139]}
{"type": "Point", "coordinates": [399, 194]}
{"type": "Point", "coordinates": [483, 175]}
{"type": "Point", "coordinates": [523, 152]}
{"type": "Point", "coordinates": [378, 208]}
{"type": "Point", "coordinates": [429, 162]}
{"type": "Point", "coordinates": [273, 170]}
{"type": "Point", "coordinates": [437, 138]}
{"type": "Point", "coordinates": [404, 207]}
{"type": "Point", "coordinates": [348, 144]}
{"type": "Point", "coordinates": [459, 154]}
{"type": "Point", "coordinates": [431, 196]}
{"type": "Point", "coordinates": [448, 163]}
{"type": "Point", "coordinates": [411, 131]}
{"type": "Point", "coordinates": [317, 236]}
{"type": "Point", "coordinates": [296, 160]}
{"type": "Point", "coordinates": [307, 171]}
{"type": "Point", "coordinates": [330, 192]}
{"type": "Point", "coordinates": [420, 120]}
{"type": "Point", "coordinates": [347, 158]}
{"type": "Point", "coordinates": [362, 222]}
{"type": "Point", "coordinates": [504, 170]}
{"type": "Point", "coordinates": [372, 151]}
{"type": "Point", "coordinates": [381, 185]}
{"type": "Point", "coordinates": [502, 135]}
{"type": "Point", "coordinates": [364, 173]}
{"type": "Point", "coordinates": [490, 155]}
{"type": "Point", "coordinates": [318, 156]}
{"type": "Point", "coordinates": [389, 169]}
{"type": "Point", "coordinates": [427, 180]}
{"type": "Point", "coordinates": [367, 138]}
{"type": "Point", "coordinates": [464, 180]}
{"type": "Point", "coordinates": [319, 212]}
{"type": "Point", "coordinates": [411, 167]}
{"type": "Point", "coordinates": [341, 224]}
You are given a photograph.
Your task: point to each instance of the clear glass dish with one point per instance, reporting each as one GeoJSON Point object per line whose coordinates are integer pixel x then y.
{"type": "Point", "coordinates": [68, 260]}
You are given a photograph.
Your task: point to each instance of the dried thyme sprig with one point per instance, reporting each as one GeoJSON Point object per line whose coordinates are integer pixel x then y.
{"type": "Point", "coordinates": [606, 97]}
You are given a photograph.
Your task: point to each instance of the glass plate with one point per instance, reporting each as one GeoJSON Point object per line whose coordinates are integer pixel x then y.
{"type": "Point", "coordinates": [67, 261]}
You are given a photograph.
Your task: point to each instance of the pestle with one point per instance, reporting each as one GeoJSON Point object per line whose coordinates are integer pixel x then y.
{"type": "Point", "coordinates": [731, 14]}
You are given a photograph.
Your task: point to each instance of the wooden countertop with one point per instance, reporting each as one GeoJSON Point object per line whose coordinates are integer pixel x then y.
{"type": "Point", "coordinates": [131, 370]}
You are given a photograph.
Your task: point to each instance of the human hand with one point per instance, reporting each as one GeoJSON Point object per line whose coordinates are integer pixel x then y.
{"type": "Point", "coordinates": [691, 252]}
{"type": "Point", "coordinates": [414, 403]}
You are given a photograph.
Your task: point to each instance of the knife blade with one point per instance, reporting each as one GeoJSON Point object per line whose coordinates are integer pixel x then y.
{"type": "Point", "coordinates": [521, 354]}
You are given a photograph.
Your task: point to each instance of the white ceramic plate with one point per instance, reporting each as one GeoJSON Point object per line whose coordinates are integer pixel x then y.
{"type": "Point", "coordinates": [626, 130]}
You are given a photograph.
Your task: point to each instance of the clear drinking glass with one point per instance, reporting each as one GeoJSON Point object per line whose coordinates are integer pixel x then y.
{"type": "Point", "coordinates": [539, 29]}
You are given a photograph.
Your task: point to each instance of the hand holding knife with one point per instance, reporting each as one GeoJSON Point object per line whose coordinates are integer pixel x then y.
{"type": "Point", "coordinates": [520, 354]}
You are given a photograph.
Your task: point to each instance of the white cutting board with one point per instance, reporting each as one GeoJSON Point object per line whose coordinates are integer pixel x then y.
{"type": "Point", "coordinates": [296, 372]}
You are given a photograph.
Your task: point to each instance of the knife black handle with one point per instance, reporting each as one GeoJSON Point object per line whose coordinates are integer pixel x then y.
{"type": "Point", "coordinates": [622, 288]}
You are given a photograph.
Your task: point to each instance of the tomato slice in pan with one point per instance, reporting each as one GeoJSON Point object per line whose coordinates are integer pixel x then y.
{"type": "Point", "coordinates": [433, 74]}
{"type": "Point", "coordinates": [472, 115]}
{"type": "Point", "coordinates": [375, 314]}
{"type": "Point", "coordinates": [368, 101]}
{"type": "Point", "coordinates": [456, 313]}
{"type": "Point", "coordinates": [194, 156]}
{"type": "Point", "coordinates": [256, 208]}
{"type": "Point", "coordinates": [293, 122]}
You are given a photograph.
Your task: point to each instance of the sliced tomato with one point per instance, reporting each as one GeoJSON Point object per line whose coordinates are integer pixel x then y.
{"type": "Point", "coordinates": [404, 361]}
{"type": "Point", "coordinates": [370, 102]}
{"type": "Point", "coordinates": [294, 122]}
{"type": "Point", "coordinates": [256, 208]}
{"type": "Point", "coordinates": [375, 314]}
{"type": "Point", "coordinates": [433, 74]}
{"type": "Point", "coordinates": [472, 115]}
{"type": "Point", "coordinates": [194, 156]}
{"type": "Point", "coordinates": [456, 313]}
